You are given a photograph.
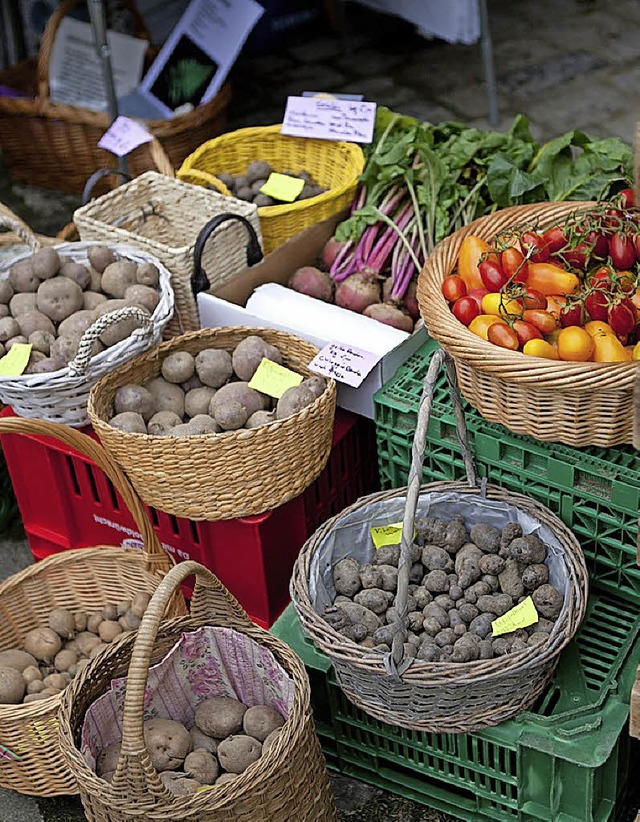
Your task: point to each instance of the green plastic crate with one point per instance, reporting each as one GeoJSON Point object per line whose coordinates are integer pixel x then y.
{"type": "Point", "coordinates": [595, 491]}
{"type": "Point", "coordinates": [565, 760]}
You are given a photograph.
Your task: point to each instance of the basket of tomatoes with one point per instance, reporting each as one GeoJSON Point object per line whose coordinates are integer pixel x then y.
{"type": "Point", "coordinates": [539, 305]}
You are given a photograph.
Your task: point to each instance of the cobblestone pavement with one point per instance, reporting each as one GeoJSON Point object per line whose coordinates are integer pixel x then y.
{"type": "Point", "coordinates": [566, 64]}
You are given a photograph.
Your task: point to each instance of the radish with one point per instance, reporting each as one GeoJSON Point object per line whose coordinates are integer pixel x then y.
{"type": "Point", "coordinates": [331, 250]}
{"type": "Point", "coordinates": [410, 301]}
{"type": "Point", "coordinates": [312, 282]}
{"type": "Point", "coordinates": [389, 315]}
{"type": "Point", "coordinates": [358, 291]}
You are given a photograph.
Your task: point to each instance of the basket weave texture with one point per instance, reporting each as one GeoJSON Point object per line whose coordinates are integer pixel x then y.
{"type": "Point", "coordinates": [227, 475]}
{"type": "Point", "coordinates": [80, 580]}
{"type": "Point", "coordinates": [436, 697]}
{"type": "Point", "coordinates": [570, 402]}
{"type": "Point", "coordinates": [288, 784]}
{"type": "Point", "coordinates": [333, 165]}
{"type": "Point", "coordinates": [62, 140]}
{"type": "Point", "coordinates": [61, 396]}
{"type": "Point", "coordinates": [163, 217]}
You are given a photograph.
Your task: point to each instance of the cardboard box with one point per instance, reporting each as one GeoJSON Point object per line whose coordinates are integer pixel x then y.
{"type": "Point", "coordinates": [227, 307]}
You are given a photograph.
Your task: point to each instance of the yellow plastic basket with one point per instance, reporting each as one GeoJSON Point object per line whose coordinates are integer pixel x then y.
{"type": "Point", "coordinates": [333, 165]}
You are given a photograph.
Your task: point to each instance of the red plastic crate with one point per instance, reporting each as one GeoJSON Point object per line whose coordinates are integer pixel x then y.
{"type": "Point", "coordinates": [67, 502]}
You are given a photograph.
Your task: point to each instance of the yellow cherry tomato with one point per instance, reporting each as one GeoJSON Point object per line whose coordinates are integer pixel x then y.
{"type": "Point", "coordinates": [540, 348]}
{"type": "Point", "coordinates": [481, 324]}
{"type": "Point", "coordinates": [608, 348]}
{"type": "Point", "coordinates": [635, 354]}
{"type": "Point", "coordinates": [594, 327]}
{"type": "Point", "coordinates": [575, 344]}
{"type": "Point", "coordinates": [501, 306]}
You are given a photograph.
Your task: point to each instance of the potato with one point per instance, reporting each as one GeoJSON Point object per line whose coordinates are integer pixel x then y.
{"type": "Point", "coordinates": [21, 303]}
{"type": "Point", "coordinates": [193, 382]}
{"type": "Point", "coordinates": [135, 398]}
{"type": "Point", "coordinates": [56, 682]}
{"type": "Point", "coordinates": [204, 424]}
{"type": "Point", "coordinates": [259, 418]}
{"type": "Point", "coordinates": [294, 400]}
{"type": "Point", "coordinates": [129, 421]}
{"type": "Point", "coordinates": [346, 577]}
{"type": "Point", "coordinates": [20, 660]}
{"type": "Point", "coordinates": [80, 621]}
{"type": "Point", "coordinates": [248, 355]}
{"type": "Point", "coordinates": [109, 630]}
{"type": "Point", "coordinates": [20, 339]}
{"type": "Point", "coordinates": [6, 292]}
{"type": "Point", "coordinates": [107, 759]}
{"type": "Point", "coordinates": [122, 328]}
{"type": "Point", "coordinates": [179, 784]}
{"type": "Point", "coordinates": [9, 328]}
{"type": "Point", "coordinates": [258, 170]}
{"type": "Point", "coordinates": [238, 392]}
{"type": "Point", "coordinates": [230, 415]}
{"type": "Point", "coordinates": [162, 423]}
{"type": "Point", "coordinates": [317, 385]}
{"type": "Point", "coordinates": [42, 643]}
{"type": "Point", "coordinates": [548, 601]}
{"type": "Point", "coordinates": [31, 674]}
{"type": "Point", "coordinates": [58, 298]}
{"type": "Point", "coordinates": [35, 358]}
{"type": "Point", "coordinates": [213, 367]}
{"type": "Point", "coordinates": [198, 400]}
{"type": "Point", "coordinates": [4, 310]}
{"type": "Point", "coordinates": [167, 395]}
{"type": "Point", "coordinates": [95, 283]}
{"type": "Point", "coordinates": [226, 777]}
{"type": "Point", "coordinates": [41, 341]}
{"type": "Point", "coordinates": [64, 349]}
{"type": "Point", "coordinates": [91, 300]}
{"type": "Point", "coordinates": [273, 736]}
{"type": "Point", "coordinates": [129, 622]}
{"type": "Point", "coordinates": [12, 686]}
{"type": "Point", "coordinates": [178, 367]}
{"type": "Point", "coordinates": [236, 753]}
{"type": "Point", "coordinates": [148, 274]}
{"type": "Point", "coordinates": [220, 716]}
{"type": "Point", "coordinates": [47, 366]}
{"type": "Point", "coordinates": [23, 278]}
{"type": "Point", "coordinates": [200, 740]}
{"type": "Point", "coordinates": [77, 323]}
{"type": "Point", "coordinates": [139, 603]}
{"type": "Point", "coordinates": [36, 686]}
{"type": "Point", "coordinates": [86, 641]}
{"type": "Point", "coordinates": [202, 765]}
{"type": "Point", "coordinates": [261, 720]}
{"type": "Point", "coordinates": [76, 272]}
{"type": "Point", "coordinates": [93, 653]}
{"type": "Point", "coordinates": [143, 296]}
{"type": "Point", "coordinates": [65, 659]}
{"type": "Point", "coordinates": [168, 743]}
{"type": "Point", "coordinates": [117, 277]}
{"type": "Point", "coordinates": [62, 622]}
{"type": "Point", "coordinates": [100, 257]}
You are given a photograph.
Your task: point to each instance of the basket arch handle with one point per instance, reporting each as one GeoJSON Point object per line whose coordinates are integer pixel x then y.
{"type": "Point", "coordinates": [199, 279]}
{"type": "Point", "coordinates": [11, 221]}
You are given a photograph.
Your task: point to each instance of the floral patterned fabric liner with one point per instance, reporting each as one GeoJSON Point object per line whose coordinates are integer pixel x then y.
{"type": "Point", "coordinates": [203, 663]}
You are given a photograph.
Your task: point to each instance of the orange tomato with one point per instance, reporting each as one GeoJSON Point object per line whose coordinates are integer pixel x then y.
{"type": "Point", "coordinates": [469, 257]}
{"type": "Point", "coordinates": [500, 334]}
{"type": "Point", "coordinates": [635, 299]}
{"type": "Point", "coordinates": [575, 344]}
{"type": "Point", "coordinates": [555, 304]}
{"type": "Point", "coordinates": [514, 265]}
{"type": "Point", "coordinates": [482, 323]}
{"type": "Point", "coordinates": [608, 348]}
{"type": "Point", "coordinates": [540, 348]}
{"type": "Point", "coordinates": [500, 305]}
{"type": "Point", "coordinates": [594, 327]}
{"type": "Point", "coordinates": [550, 279]}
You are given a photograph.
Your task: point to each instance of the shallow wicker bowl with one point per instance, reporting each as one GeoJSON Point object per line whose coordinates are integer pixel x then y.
{"type": "Point", "coordinates": [570, 402]}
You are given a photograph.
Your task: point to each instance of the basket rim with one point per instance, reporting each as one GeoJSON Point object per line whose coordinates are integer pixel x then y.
{"type": "Point", "coordinates": [511, 366]}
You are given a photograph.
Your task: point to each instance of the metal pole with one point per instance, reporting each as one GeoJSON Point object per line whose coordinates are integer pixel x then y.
{"type": "Point", "coordinates": [487, 60]}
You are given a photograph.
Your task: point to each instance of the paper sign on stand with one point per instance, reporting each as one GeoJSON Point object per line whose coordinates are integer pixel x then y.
{"type": "Point", "coordinates": [273, 379]}
{"type": "Point", "coordinates": [329, 119]}
{"type": "Point", "coordinates": [123, 135]}
{"type": "Point", "coordinates": [344, 363]}
{"type": "Point", "coordinates": [15, 360]}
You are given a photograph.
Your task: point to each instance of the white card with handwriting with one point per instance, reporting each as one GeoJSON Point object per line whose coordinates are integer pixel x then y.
{"type": "Point", "coordinates": [344, 363]}
{"type": "Point", "coordinates": [324, 119]}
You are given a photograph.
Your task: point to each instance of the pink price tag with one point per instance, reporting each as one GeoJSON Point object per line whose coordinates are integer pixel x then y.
{"type": "Point", "coordinates": [344, 363]}
{"type": "Point", "coordinates": [123, 135]}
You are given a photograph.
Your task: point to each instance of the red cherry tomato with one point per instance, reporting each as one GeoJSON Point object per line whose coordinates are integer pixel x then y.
{"type": "Point", "coordinates": [525, 332]}
{"type": "Point", "coordinates": [514, 265]}
{"type": "Point", "coordinates": [578, 257]}
{"type": "Point", "coordinates": [572, 316]}
{"type": "Point", "coordinates": [627, 197]}
{"type": "Point", "coordinates": [597, 306]}
{"type": "Point", "coordinates": [465, 309]}
{"type": "Point", "coordinates": [613, 219]}
{"type": "Point", "coordinates": [500, 334]}
{"type": "Point", "coordinates": [554, 239]}
{"type": "Point", "coordinates": [622, 317]}
{"type": "Point", "coordinates": [598, 244]}
{"type": "Point", "coordinates": [492, 275]}
{"type": "Point", "coordinates": [622, 250]}
{"type": "Point", "coordinates": [534, 247]}
{"type": "Point", "coordinates": [601, 278]}
{"type": "Point", "coordinates": [477, 294]}
{"type": "Point", "coordinates": [542, 320]}
{"type": "Point", "coordinates": [626, 282]}
{"type": "Point", "coordinates": [532, 298]}
{"type": "Point", "coordinates": [453, 287]}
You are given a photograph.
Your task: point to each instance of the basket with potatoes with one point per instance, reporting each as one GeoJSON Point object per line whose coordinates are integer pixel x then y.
{"type": "Point", "coordinates": [443, 607]}
{"type": "Point", "coordinates": [83, 308]}
{"type": "Point", "coordinates": [205, 717]}
{"type": "Point", "coordinates": [58, 614]}
{"type": "Point", "coordinates": [197, 441]}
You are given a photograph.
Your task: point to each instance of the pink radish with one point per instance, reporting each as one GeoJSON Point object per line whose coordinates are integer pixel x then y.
{"type": "Point", "coordinates": [389, 315]}
{"type": "Point", "coordinates": [410, 301]}
{"type": "Point", "coordinates": [331, 250]}
{"type": "Point", "coordinates": [313, 282]}
{"type": "Point", "coordinates": [358, 291]}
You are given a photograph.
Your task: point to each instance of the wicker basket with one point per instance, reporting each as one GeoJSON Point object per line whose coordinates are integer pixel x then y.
{"type": "Point", "coordinates": [288, 784]}
{"type": "Point", "coordinates": [219, 476]}
{"type": "Point", "coordinates": [570, 402]}
{"type": "Point", "coordinates": [61, 141]}
{"type": "Point", "coordinates": [437, 697]}
{"type": "Point", "coordinates": [163, 217]}
{"type": "Point", "coordinates": [80, 580]}
{"type": "Point", "coordinates": [61, 396]}
{"type": "Point", "coordinates": [19, 233]}
{"type": "Point", "coordinates": [334, 165]}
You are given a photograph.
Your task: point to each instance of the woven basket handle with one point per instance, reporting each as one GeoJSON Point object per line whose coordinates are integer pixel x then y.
{"type": "Point", "coordinates": [155, 557]}
{"type": "Point", "coordinates": [49, 36]}
{"type": "Point", "coordinates": [199, 279]}
{"type": "Point", "coordinates": [78, 366]}
{"type": "Point", "coordinates": [197, 177]}
{"type": "Point", "coordinates": [395, 662]}
{"type": "Point", "coordinates": [11, 221]}
{"type": "Point", "coordinates": [211, 604]}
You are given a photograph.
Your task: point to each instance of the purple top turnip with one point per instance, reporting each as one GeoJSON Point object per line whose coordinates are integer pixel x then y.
{"type": "Point", "coordinates": [358, 291]}
{"type": "Point", "coordinates": [313, 282]}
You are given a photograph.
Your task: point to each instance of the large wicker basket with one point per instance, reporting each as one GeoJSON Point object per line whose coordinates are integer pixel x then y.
{"type": "Point", "coordinates": [227, 475]}
{"type": "Point", "coordinates": [437, 697]}
{"type": "Point", "coordinates": [80, 580]}
{"type": "Point", "coordinates": [287, 784]}
{"type": "Point", "coordinates": [163, 216]}
{"type": "Point", "coordinates": [54, 145]}
{"type": "Point", "coordinates": [334, 165]}
{"type": "Point", "coordinates": [570, 402]}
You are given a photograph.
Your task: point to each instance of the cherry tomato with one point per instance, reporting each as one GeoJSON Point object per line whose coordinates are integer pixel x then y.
{"type": "Point", "coordinates": [578, 256]}
{"type": "Point", "coordinates": [609, 349]}
{"type": "Point", "coordinates": [465, 309]}
{"type": "Point", "coordinates": [554, 239]}
{"type": "Point", "coordinates": [453, 287]}
{"type": "Point", "coordinates": [482, 323]}
{"type": "Point", "coordinates": [514, 265]}
{"type": "Point", "coordinates": [535, 247]}
{"type": "Point", "coordinates": [622, 250]}
{"type": "Point", "coordinates": [542, 320]}
{"type": "Point", "coordinates": [532, 298]}
{"type": "Point", "coordinates": [477, 294]}
{"type": "Point", "coordinates": [627, 197]}
{"type": "Point", "coordinates": [622, 317]}
{"type": "Point", "coordinates": [500, 334]}
{"type": "Point", "coordinates": [574, 315]}
{"type": "Point", "coordinates": [525, 332]}
{"type": "Point", "coordinates": [597, 306]}
{"type": "Point", "coordinates": [492, 275]}
{"type": "Point", "coordinates": [540, 348]}
{"type": "Point", "coordinates": [613, 219]}
{"type": "Point", "coordinates": [598, 244]}
{"type": "Point", "coordinates": [594, 327]}
{"type": "Point", "coordinates": [635, 299]}
{"type": "Point", "coordinates": [575, 344]}
{"type": "Point", "coordinates": [626, 281]}
{"type": "Point", "coordinates": [602, 278]}
{"type": "Point", "coordinates": [555, 304]}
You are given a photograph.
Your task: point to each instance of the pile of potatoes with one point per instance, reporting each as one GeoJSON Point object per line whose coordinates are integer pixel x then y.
{"type": "Point", "coordinates": [460, 582]}
{"type": "Point", "coordinates": [227, 737]}
{"type": "Point", "coordinates": [52, 655]}
{"type": "Point", "coordinates": [209, 393]}
{"type": "Point", "coordinates": [247, 186]}
{"type": "Point", "coordinates": [49, 301]}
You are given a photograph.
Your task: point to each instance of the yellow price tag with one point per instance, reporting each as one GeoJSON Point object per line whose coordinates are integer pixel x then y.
{"type": "Point", "coordinates": [16, 360]}
{"type": "Point", "coordinates": [387, 534]}
{"type": "Point", "coordinates": [523, 615]}
{"type": "Point", "coordinates": [273, 379]}
{"type": "Point", "coordinates": [283, 187]}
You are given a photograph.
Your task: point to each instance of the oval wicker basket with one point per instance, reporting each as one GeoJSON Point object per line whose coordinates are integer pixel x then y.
{"type": "Point", "coordinates": [80, 580]}
{"type": "Point", "coordinates": [61, 396]}
{"type": "Point", "coordinates": [437, 697]}
{"type": "Point", "coordinates": [227, 475]}
{"type": "Point", "coordinates": [288, 784]}
{"type": "Point", "coordinates": [333, 165]}
{"type": "Point", "coordinates": [570, 402]}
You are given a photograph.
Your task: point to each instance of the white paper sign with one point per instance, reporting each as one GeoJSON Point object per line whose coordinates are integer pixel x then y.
{"type": "Point", "coordinates": [123, 136]}
{"type": "Point", "coordinates": [345, 363]}
{"type": "Point", "coordinates": [196, 59]}
{"type": "Point", "coordinates": [329, 119]}
{"type": "Point", "coordinates": [75, 70]}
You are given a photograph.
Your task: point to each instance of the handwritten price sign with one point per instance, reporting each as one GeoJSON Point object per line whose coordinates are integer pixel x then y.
{"type": "Point", "coordinates": [329, 119]}
{"type": "Point", "coordinates": [123, 136]}
{"type": "Point", "coordinates": [344, 363]}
